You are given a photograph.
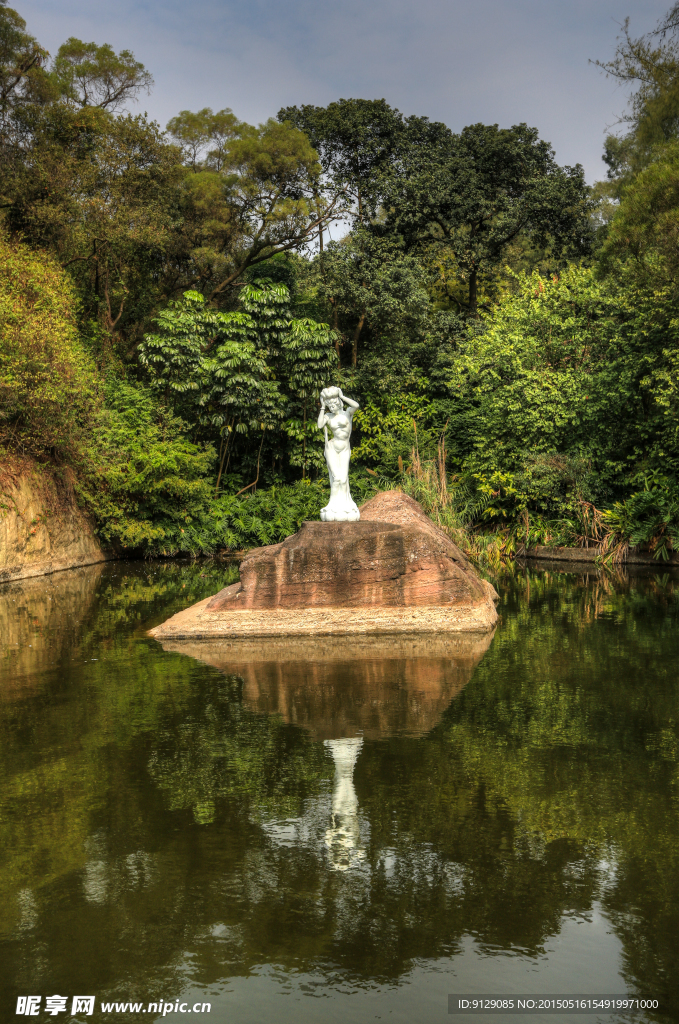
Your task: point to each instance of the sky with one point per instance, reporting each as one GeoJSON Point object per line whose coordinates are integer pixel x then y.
{"type": "Point", "coordinates": [457, 61]}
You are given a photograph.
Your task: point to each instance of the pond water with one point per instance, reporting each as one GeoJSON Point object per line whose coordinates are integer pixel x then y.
{"type": "Point", "coordinates": [337, 832]}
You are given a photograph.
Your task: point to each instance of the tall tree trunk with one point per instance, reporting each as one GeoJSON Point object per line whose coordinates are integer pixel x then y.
{"type": "Point", "coordinates": [223, 456]}
{"type": "Point", "coordinates": [473, 292]}
{"type": "Point", "coordinates": [354, 342]}
{"type": "Point", "coordinates": [255, 481]}
{"type": "Point", "coordinates": [320, 226]}
{"type": "Point", "coordinates": [335, 327]}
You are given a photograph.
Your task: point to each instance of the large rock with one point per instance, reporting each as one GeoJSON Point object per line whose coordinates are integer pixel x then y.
{"type": "Point", "coordinates": [400, 509]}
{"type": "Point", "coordinates": [373, 576]}
{"type": "Point", "coordinates": [354, 565]}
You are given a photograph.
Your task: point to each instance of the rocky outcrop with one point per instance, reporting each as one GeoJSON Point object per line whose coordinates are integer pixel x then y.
{"type": "Point", "coordinates": [42, 529]}
{"type": "Point", "coordinates": [372, 576]}
{"type": "Point", "coordinates": [354, 565]}
{"type": "Point", "coordinates": [400, 509]}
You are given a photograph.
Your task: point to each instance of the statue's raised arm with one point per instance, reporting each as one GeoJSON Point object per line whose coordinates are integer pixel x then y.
{"type": "Point", "coordinates": [333, 414]}
{"type": "Point", "coordinates": [351, 405]}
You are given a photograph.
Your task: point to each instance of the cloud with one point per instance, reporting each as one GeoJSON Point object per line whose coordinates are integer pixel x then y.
{"type": "Point", "coordinates": [495, 61]}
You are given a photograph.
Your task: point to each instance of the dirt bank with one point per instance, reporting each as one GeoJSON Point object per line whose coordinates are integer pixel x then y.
{"type": "Point", "coordinates": [42, 530]}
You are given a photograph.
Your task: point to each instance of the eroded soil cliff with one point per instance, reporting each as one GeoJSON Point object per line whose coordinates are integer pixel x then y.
{"type": "Point", "coordinates": [42, 530]}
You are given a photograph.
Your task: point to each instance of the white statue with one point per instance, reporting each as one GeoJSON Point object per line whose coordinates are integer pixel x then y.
{"type": "Point", "coordinates": [341, 508]}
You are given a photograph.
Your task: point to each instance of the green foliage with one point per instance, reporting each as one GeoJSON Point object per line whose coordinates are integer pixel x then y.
{"type": "Point", "coordinates": [645, 226]}
{"type": "Point", "coordinates": [243, 372]}
{"type": "Point", "coordinates": [96, 76]}
{"type": "Point", "coordinates": [271, 175]}
{"type": "Point", "coordinates": [143, 481]}
{"type": "Point", "coordinates": [648, 517]}
{"type": "Point", "coordinates": [194, 132]}
{"type": "Point", "coordinates": [113, 243]}
{"type": "Point", "coordinates": [210, 366]}
{"type": "Point", "coordinates": [21, 63]}
{"type": "Point", "coordinates": [395, 425]}
{"type": "Point", "coordinates": [355, 140]}
{"type": "Point", "coordinates": [475, 193]}
{"type": "Point", "coordinates": [541, 402]}
{"type": "Point", "coordinates": [309, 367]}
{"type": "Point", "coordinates": [650, 64]}
{"type": "Point", "coordinates": [48, 394]}
{"type": "Point", "coordinates": [564, 389]}
{"type": "Point", "coordinates": [376, 292]}
{"type": "Point", "coordinates": [267, 516]}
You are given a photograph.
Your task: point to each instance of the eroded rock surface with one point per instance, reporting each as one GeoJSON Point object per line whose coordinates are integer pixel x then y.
{"type": "Point", "coordinates": [353, 565]}
{"type": "Point", "coordinates": [42, 530]}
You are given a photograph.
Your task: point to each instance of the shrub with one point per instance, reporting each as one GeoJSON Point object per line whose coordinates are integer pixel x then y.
{"type": "Point", "coordinates": [148, 486]}
{"type": "Point", "coordinates": [48, 390]}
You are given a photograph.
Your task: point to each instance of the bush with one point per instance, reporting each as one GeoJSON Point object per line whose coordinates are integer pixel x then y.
{"type": "Point", "coordinates": [570, 389]}
{"type": "Point", "coordinates": [146, 484]}
{"type": "Point", "coordinates": [152, 491]}
{"type": "Point", "coordinates": [267, 517]}
{"type": "Point", "coordinates": [649, 517]}
{"type": "Point", "coordinates": [48, 387]}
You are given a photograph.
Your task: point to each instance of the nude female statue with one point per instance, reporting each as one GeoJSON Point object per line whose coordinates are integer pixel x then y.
{"type": "Point", "coordinates": [341, 507]}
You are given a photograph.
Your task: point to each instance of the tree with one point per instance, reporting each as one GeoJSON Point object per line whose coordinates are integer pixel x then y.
{"type": "Point", "coordinates": [96, 76]}
{"type": "Point", "coordinates": [102, 193]}
{"type": "Point", "coordinates": [570, 388]}
{"type": "Point", "coordinates": [300, 352]}
{"type": "Point", "coordinates": [650, 64]}
{"type": "Point", "coordinates": [208, 365]}
{"type": "Point", "coordinates": [310, 366]}
{"type": "Point", "coordinates": [145, 482]}
{"type": "Point", "coordinates": [252, 197]}
{"type": "Point", "coordinates": [241, 372]}
{"type": "Point", "coordinates": [476, 193]}
{"type": "Point", "coordinates": [109, 195]}
{"type": "Point", "coordinates": [195, 132]}
{"type": "Point", "coordinates": [22, 61]}
{"type": "Point", "coordinates": [645, 226]}
{"type": "Point", "coordinates": [48, 391]}
{"type": "Point", "coordinates": [355, 141]}
{"type": "Point", "coordinates": [270, 178]}
{"type": "Point", "coordinates": [372, 285]}
{"type": "Point", "coordinates": [268, 303]}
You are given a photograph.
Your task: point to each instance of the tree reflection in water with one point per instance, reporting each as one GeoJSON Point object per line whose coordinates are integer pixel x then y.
{"type": "Point", "coordinates": [172, 822]}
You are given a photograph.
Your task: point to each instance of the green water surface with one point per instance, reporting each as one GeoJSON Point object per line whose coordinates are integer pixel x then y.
{"type": "Point", "coordinates": [165, 835]}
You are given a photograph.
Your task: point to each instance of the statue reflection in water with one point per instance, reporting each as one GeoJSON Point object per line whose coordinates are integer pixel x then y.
{"type": "Point", "coordinates": [344, 694]}
{"type": "Point", "coordinates": [343, 837]}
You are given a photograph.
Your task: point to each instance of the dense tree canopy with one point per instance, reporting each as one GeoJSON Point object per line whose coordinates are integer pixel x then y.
{"type": "Point", "coordinates": [356, 142]}
{"type": "Point", "coordinates": [509, 332]}
{"type": "Point", "coordinates": [478, 191]}
{"type": "Point", "coordinates": [22, 61]}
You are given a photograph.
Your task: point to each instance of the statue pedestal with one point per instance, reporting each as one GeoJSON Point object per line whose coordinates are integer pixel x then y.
{"type": "Point", "coordinates": [339, 517]}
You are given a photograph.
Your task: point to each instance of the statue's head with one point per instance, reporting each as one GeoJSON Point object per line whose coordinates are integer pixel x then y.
{"type": "Point", "coordinates": [330, 398]}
